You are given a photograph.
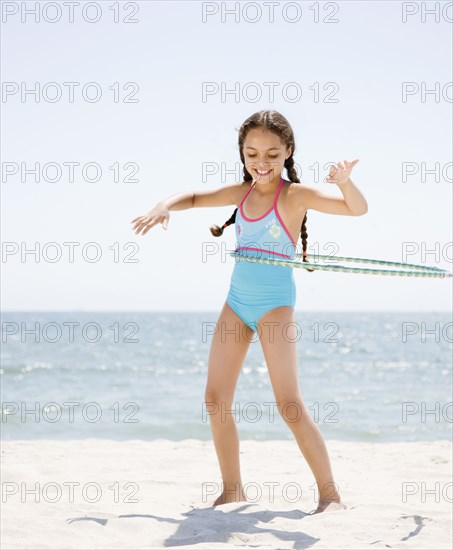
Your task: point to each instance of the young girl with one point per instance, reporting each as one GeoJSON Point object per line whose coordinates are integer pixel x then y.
{"type": "Point", "coordinates": [262, 296]}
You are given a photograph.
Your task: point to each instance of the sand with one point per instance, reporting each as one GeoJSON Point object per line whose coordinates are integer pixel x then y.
{"type": "Point", "coordinates": [399, 496]}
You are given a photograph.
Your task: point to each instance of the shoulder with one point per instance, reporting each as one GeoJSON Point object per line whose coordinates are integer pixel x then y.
{"type": "Point", "coordinates": [239, 190]}
{"type": "Point", "coordinates": [299, 193]}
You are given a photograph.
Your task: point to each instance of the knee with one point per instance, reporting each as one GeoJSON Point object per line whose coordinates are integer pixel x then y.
{"type": "Point", "coordinates": [211, 396]}
{"type": "Point", "coordinates": [291, 409]}
{"type": "Point", "coordinates": [215, 399]}
{"type": "Point", "coordinates": [216, 405]}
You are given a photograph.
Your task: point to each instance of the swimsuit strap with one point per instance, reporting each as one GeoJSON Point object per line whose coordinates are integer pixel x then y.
{"type": "Point", "coordinates": [246, 194]}
{"type": "Point", "coordinates": [280, 185]}
{"type": "Point", "coordinates": [279, 188]}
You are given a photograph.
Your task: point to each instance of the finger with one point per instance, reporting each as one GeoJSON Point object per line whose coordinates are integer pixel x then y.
{"type": "Point", "coordinates": [137, 224]}
{"type": "Point", "coordinates": [142, 230]}
{"type": "Point", "coordinates": [350, 165]}
{"type": "Point", "coordinates": [340, 165]}
{"type": "Point", "coordinates": [141, 221]}
{"type": "Point", "coordinates": [149, 226]}
{"type": "Point", "coordinates": [143, 225]}
{"type": "Point", "coordinates": [136, 219]}
{"type": "Point", "coordinates": [333, 173]}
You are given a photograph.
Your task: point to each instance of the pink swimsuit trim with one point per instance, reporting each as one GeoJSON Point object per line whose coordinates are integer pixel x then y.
{"type": "Point", "coordinates": [273, 207]}
{"type": "Point", "coordinates": [262, 250]}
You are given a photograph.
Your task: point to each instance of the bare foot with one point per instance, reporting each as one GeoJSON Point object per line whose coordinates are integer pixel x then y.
{"type": "Point", "coordinates": [329, 506]}
{"type": "Point", "coordinates": [229, 497]}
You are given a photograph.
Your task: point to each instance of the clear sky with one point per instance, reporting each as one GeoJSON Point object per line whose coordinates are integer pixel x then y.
{"type": "Point", "coordinates": [350, 60]}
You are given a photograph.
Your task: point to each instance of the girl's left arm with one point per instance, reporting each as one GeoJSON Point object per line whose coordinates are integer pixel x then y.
{"type": "Point", "coordinates": [353, 202]}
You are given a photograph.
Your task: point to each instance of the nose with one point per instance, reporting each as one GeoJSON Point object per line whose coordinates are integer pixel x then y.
{"type": "Point", "coordinates": [263, 163]}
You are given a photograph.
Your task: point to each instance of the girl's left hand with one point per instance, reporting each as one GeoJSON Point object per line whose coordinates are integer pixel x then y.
{"type": "Point", "coordinates": [339, 174]}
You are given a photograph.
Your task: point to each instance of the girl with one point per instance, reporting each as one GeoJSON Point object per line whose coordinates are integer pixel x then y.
{"type": "Point", "coordinates": [267, 222]}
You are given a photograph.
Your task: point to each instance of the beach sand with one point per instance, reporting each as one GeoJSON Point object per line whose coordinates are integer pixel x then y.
{"type": "Point", "coordinates": [399, 496]}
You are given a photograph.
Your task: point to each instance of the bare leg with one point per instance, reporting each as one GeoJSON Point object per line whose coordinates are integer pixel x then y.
{"type": "Point", "coordinates": [279, 347]}
{"type": "Point", "coordinates": [228, 350]}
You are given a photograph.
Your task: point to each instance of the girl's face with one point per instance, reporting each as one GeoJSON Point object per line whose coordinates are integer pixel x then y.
{"type": "Point", "coordinates": [264, 155]}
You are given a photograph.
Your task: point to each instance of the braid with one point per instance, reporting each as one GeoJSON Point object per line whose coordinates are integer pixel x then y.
{"type": "Point", "coordinates": [217, 231]}
{"type": "Point", "coordinates": [276, 123]}
{"type": "Point", "coordinates": [292, 175]}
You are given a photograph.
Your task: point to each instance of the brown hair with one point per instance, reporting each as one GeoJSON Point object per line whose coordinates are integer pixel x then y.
{"type": "Point", "coordinates": [276, 123]}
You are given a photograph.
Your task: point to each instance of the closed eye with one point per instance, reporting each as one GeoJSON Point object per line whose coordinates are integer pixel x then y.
{"type": "Point", "coordinates": [271, 157]}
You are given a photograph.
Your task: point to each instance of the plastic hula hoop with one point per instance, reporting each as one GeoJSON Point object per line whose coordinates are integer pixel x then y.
{"type": "Point", "coordinates": [403, 269]}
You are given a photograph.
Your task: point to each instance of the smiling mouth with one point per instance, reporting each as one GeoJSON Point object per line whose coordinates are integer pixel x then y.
{"type": "Point", "coordinates": [260, 173]}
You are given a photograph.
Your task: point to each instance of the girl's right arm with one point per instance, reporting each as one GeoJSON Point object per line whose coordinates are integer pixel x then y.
{"type": "Point", "coordinates": [160, 213]}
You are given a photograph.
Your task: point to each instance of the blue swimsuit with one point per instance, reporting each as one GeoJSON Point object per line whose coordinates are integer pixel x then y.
{"type": "Point", "coordinates": [256, 288]}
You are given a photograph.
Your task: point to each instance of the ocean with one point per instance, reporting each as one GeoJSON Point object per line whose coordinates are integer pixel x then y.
{"type": "Point", "coordinates": [364, 376]}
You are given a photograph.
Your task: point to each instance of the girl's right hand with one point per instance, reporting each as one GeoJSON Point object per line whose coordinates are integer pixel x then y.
{"type": "Point", "coordinates": [158, 214]}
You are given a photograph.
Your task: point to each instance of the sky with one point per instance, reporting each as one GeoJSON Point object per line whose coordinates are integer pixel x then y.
{"type": "Point", "coordinates": [366, 80]}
